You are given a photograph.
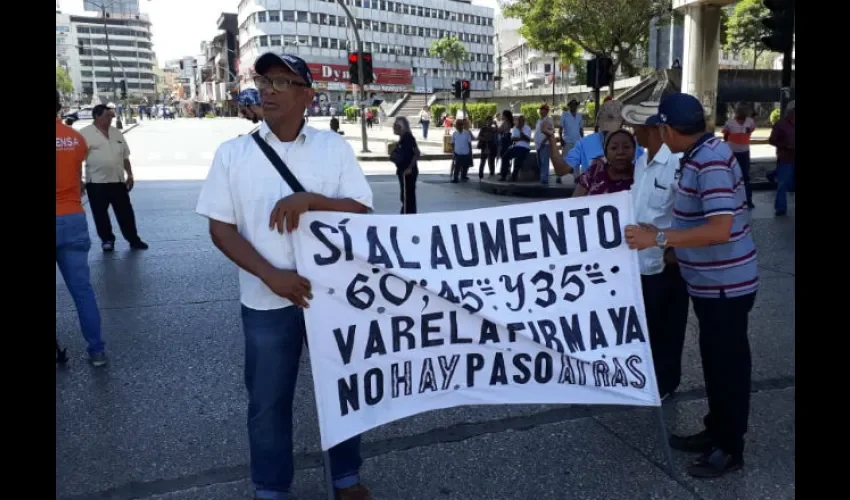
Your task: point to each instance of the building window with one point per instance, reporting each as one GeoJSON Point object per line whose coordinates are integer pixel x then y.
{"type": "Point", "coordinates": [261, 16]}
{"type": "Point", "coordinates": [264, 41]}
{"type": "Point", "coordinates": [289, 15]}
{"type": "Point", "coordinates": [275, 40]}
{"type": "Point", "coordinates": [301, 16]}
{"type": "Point", "coordinates": [274, 16]}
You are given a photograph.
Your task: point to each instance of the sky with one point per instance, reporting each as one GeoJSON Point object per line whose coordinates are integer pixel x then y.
{"type": "Point", "coordinates": [179, 26]}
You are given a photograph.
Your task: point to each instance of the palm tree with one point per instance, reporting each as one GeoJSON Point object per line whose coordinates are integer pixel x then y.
{"type": "Point", "coordinates": [450, 51]}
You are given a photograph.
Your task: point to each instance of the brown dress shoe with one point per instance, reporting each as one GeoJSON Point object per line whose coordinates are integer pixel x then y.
{"type": "Point", "coordinates": [356, 492]}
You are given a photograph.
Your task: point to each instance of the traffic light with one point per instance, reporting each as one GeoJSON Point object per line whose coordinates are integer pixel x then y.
{"type": "Point", "coordinates": [354, 75]}
{"type": "Point", "coordinates": [123, 89]}
{"type": "Point", "coordinates": [456, 89]}
{"type": "Point", "coordinates": [600, 72]}
{"type": "Point", "coordinates": [464, 89]}
{"type": "Point", "coordinates": [780, 25]}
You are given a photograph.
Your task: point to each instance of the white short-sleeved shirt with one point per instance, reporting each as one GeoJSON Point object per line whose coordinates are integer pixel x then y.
{"type": "Point", "coordinates": [515, 133]}
{"type": "Point", "coordinates": [106, 155]}
{"type": "Point", "coordinates": [653, 192]}
{"type": "Point", "coordinates": [242, 188]}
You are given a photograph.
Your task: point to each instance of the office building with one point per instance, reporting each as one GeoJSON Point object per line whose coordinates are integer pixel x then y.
{"type": "Point", "coordinates": [125, 7]}
{"type": "Point", "coordinates": [397, 33]}
{"type": "Point", "coordinates": [82, 50]}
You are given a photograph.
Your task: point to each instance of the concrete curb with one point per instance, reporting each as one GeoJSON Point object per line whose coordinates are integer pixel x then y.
{"type": "Point", "coordinates": [129, 128]}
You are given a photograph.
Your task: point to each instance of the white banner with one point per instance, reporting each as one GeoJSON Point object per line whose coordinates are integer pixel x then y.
{"type": "Point", "coordinates": [521, 304]}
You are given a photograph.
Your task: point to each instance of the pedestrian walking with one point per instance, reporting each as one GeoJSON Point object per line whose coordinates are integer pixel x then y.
{"type": "Point", "coordinates": [109, 180]}
{"type": "Point", "coordinates": [425, 121]}
{"type": "Point", "coordinates": [737, 133]}
{"type": "Point", "coordinates": [405, 156]}
{"type": "Point", "coordinates": [665, 294]}
{"type": "Point", "coordinates": [255, 192]}
{"type": "Point", "coordinates": [72, 236]}
{"type": "Point", "coordinates": [714, 246]}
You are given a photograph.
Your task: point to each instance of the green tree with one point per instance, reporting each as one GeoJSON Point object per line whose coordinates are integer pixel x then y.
{"type": "Point", "coordinates": [63, 81]}
{"type": "Point", "coordinates": [744, 29]}
{"type": "Point", "coordinates": [613, 28]}
{"type": "Point", "coordinates": [450, 51]}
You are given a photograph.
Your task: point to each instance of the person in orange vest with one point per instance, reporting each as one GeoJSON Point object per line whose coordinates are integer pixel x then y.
{"type": "Point", "coordinates": [72, 234]}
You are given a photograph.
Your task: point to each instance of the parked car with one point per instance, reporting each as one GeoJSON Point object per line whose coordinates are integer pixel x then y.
{"type": "Point", "coordinates": [83, 113]}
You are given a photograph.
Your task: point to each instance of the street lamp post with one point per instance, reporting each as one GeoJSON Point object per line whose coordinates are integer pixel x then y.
{"type": "Point", "coordinates": [123, 72]}
{"type": "Point", "coordinates": [361, 90]}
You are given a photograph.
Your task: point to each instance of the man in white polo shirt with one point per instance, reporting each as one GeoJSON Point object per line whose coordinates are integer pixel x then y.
{"type": "Point", "coordinates": [109, 179]}
{"type": "Point", "coordinates": [665, 294]}
{"type": "Point", "coordinates": [253, 206]}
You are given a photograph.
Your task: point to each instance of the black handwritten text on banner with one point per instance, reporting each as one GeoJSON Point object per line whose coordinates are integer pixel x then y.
{"type": "Point", "coordinates": [531, 303]}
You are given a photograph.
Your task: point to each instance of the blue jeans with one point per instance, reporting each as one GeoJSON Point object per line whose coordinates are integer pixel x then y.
{"type": "Point", "coordinates": [425, 129]}
{"type": "Point", "coordinates": [72, 257]}
{"type": "Point", "coordinates": [543, 163]}
{"type": "Point", "coordinates": [273, 341]}
{"type": "Point", "coordinates": [784, 182]}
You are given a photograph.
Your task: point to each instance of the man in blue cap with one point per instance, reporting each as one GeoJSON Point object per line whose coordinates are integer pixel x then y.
{"type": "Point", "coordinates": [717, 255]}
{"type": "Point", "coordinates": [256, 190]}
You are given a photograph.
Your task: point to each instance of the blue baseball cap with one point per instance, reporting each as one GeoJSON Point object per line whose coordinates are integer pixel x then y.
{"type": "Point", "coordinates": [294, 63]}
{"type": "Point", "coordinates": [681, 110]}
{"type": "Point", "coordinates": [248, 97]}
{"type": "Point", "coordinates": [653, 121]}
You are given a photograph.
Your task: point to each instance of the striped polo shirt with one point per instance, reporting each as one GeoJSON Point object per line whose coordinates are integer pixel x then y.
{"type": "Point", "coordinates": [710, 183]}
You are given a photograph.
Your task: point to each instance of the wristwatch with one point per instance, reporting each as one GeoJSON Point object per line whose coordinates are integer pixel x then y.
{"type": "Point", "coordinates": [661, 239]}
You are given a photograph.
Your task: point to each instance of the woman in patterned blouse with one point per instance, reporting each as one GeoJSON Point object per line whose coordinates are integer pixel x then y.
{"type": "Point", "coordinates": [612, 173]}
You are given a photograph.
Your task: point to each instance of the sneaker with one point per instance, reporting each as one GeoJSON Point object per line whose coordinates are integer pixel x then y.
{"type": "Point", "coordinates": [138, 245]}
{"type": "Point", "coordinates": [98, 359]}
{"type": "Point", "coordinates": [356, 492]}
{"type": "Point", "coordinates": [697, 443]}
{"type": "Point", "coordinates": [715, 463]}
{"type": "Point", "coordinates": [107, 246]}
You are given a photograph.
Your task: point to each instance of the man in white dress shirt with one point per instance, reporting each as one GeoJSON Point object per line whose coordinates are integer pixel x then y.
{"type": "Point", "coordinates": [252, 210]}
{"type": "Point", "coordinates": [664, 290]}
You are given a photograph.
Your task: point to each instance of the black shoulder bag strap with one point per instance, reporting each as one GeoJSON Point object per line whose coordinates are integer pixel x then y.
{"type": "Point", "coordinates": [278, 163]}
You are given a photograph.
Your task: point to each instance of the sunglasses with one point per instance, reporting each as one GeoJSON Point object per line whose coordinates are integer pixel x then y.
{"type": "Point", "coordinates": [264, 83]}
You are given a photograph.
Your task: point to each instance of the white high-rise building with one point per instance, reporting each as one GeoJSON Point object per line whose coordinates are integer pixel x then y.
{"type": "Point", "coordinates": [397, 33]}
{"type": "Point", "coordinates": [127, 7]}
{"type": "Point", "coordinates": [81, 48]}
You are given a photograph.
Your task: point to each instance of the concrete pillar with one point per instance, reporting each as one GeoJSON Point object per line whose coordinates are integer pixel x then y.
{"type": "Point", "coordinates": [702, 55]}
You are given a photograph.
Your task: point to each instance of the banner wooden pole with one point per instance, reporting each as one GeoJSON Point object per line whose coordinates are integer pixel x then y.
{"type": "Point", "coordinates": [665, 442]}
{"type": "Point", "coordinates": [329, 480]}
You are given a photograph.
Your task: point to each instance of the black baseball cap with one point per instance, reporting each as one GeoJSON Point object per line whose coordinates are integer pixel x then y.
{"type": "Point", "coordinates": [294, 63]}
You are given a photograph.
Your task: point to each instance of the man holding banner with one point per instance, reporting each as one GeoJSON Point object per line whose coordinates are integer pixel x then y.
{"type": "Point", "coordinates": [665, 294]}
{"type": "Point", "coordinates": [253, 198]}
{"type": "Point", "coordinates": [717, 255]}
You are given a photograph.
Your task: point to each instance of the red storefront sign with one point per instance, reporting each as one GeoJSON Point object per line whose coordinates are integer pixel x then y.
{"type": "Point", "coordinates": [335, 77]}
{"type": "Point", "coordinates": [339, 73]}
